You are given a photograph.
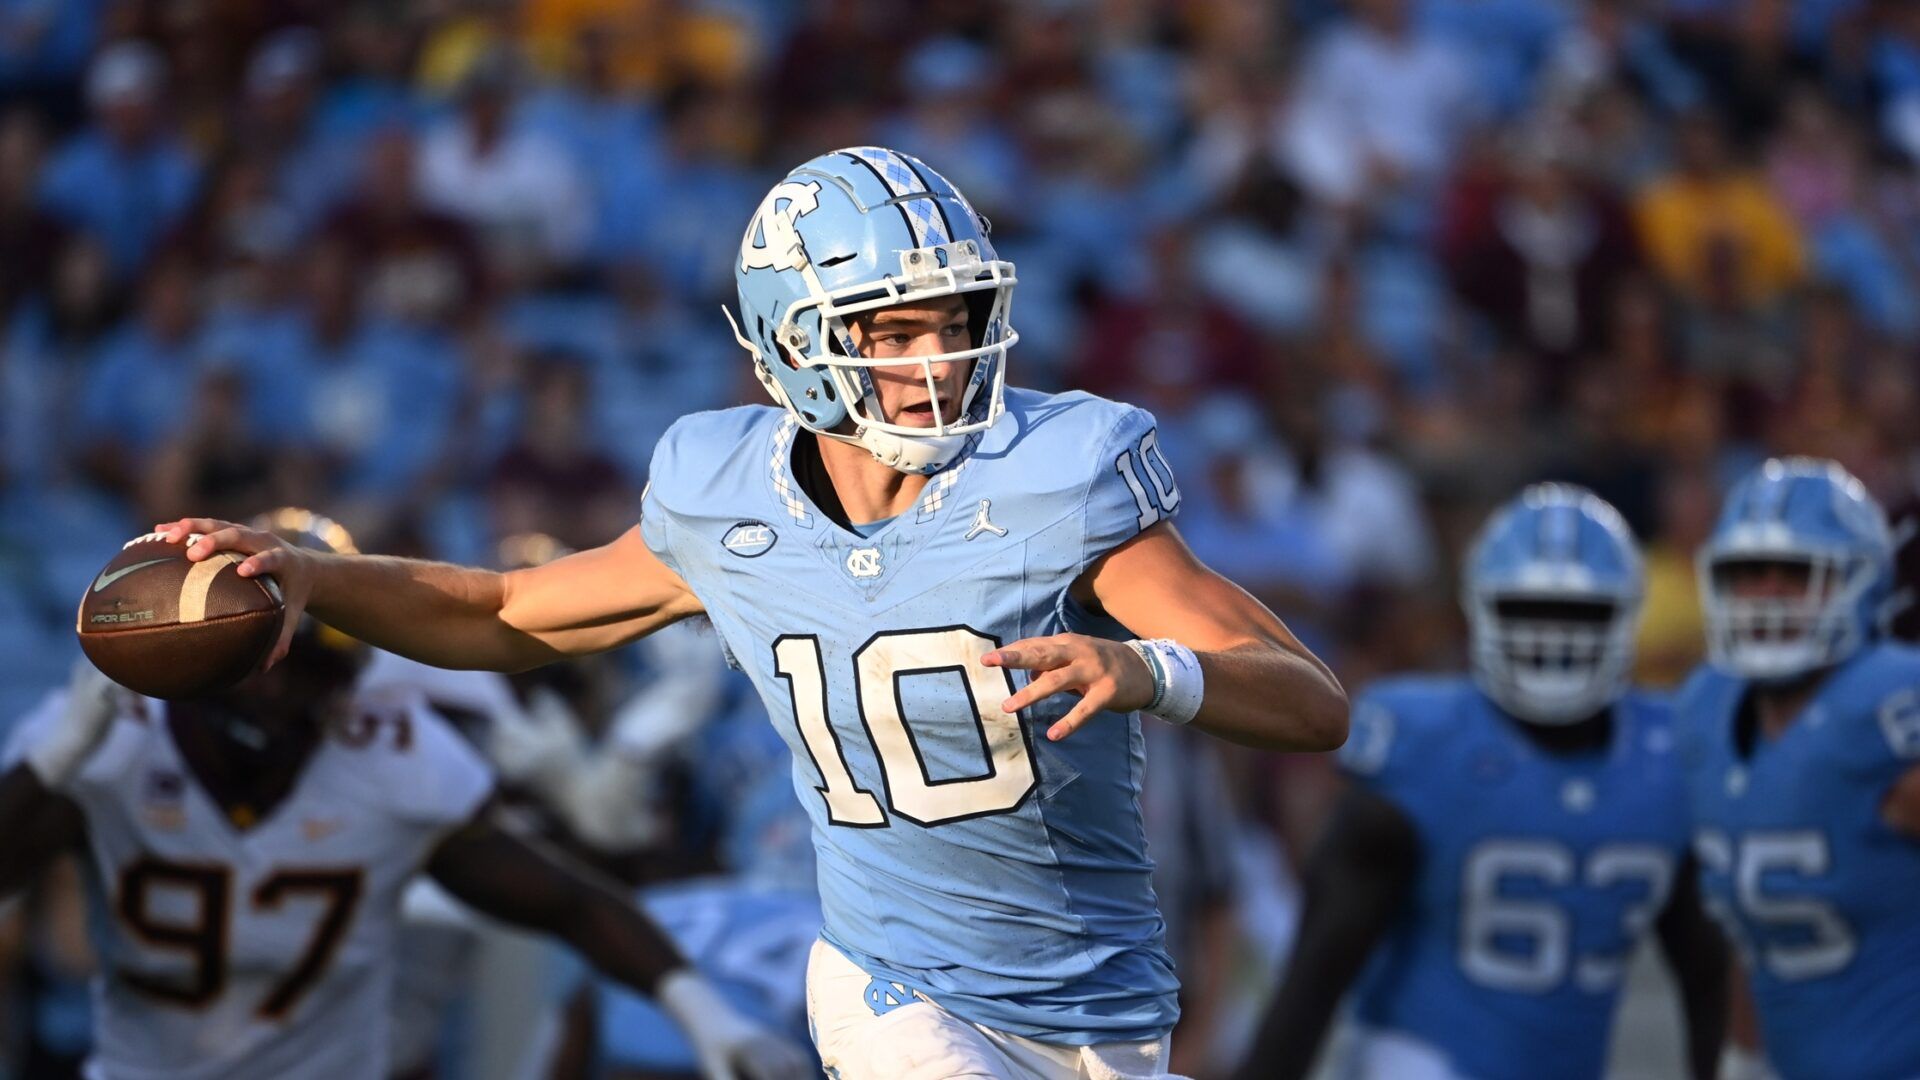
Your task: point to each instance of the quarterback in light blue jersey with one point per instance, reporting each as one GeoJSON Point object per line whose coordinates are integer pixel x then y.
{"type": "Point", "coordinates": [1803, 742]}
{"type": "Point", "coordinates": [956, 598]}
{"type": "Point", "coordinates": [1509, 838]}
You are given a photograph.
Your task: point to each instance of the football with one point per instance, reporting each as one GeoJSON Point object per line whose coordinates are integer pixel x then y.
{"type": "Point", "coordinates": [161, 625]}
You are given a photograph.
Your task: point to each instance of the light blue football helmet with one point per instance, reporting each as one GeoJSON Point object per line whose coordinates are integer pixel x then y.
{"type": "Point", "coordinates": [1816, 517]}
{"type": "Point", "coordinates": [854, 231]}
{"type": "Point", "coordinates": [1552, 590]}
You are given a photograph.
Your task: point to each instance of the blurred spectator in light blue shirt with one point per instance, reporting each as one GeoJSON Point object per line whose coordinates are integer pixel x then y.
{"type": "Point", "coordinates": [520, 190]}
{"type": "Point", "coordinates": [42, 371]}
{"type": "Point", "coordinates": [128, 178]}
{"type": "Point", "coordinates": [381, 391]}
{"type": "Point", "coordinates": [372, 44]}
{"type": "Point", "coordinates": [312, 167]}
{"type": "Point", "coordinates": [671, 229]}
{"type": "Point", "coordinates": [139, 382]}
{"type": "Point", "coordinates": [45, 42]}
{"type": "Point", "coordinates": [1380, 105]}
{"type": "Point", "coordinates": [950, 119]}
{"type": "Point", "coordinates": [613, 134]}
{"type": "Point", "coordinates": [1242, 520]}
{"type": "Point", "coordinates": [1816, 166]}
{"type": "Point", "coordinates": [1508, 41]}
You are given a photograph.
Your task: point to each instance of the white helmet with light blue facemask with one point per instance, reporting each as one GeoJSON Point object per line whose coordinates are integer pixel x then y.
{"type": "Point", "coordinates": [1816, 520]}
{"type": "Point", "coordinates": [1552, 592]}
{"type": "Point", "coordinates": [852, 232]}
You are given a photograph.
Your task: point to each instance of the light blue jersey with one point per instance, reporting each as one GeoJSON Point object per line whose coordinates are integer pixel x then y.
{"type": "Point", "coordinates": [1820, 897]}
{"type": "Point", "coordinates": [1538, 875]}
{"type": "Point", "coordinates": [961, 854]}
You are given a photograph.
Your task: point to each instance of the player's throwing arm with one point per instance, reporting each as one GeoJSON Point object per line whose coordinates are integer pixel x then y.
{"type": "Point", "coordinates": [462, 617]}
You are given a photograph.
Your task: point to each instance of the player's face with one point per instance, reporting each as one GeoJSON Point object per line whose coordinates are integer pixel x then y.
{"type": "Point", "coordinates": [1785, 588]}
{"type": "Point", "coordinates": [908, 331]}
{"type": "Point", "coordinates": [1766, 580]}
{"type": "Point", "coordinates": [312, 686]}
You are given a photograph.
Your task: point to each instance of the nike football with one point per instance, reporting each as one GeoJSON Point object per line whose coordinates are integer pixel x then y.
{"type": "Point", "coordinates": [166, 627]}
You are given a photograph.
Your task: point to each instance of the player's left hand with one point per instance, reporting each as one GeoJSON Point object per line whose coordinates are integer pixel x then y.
{"type": "Point", "coordinates": [1103, 674]}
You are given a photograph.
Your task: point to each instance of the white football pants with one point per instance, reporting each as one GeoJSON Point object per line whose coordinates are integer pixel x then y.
{"type": "Point", "coordinates": [919, 1040]}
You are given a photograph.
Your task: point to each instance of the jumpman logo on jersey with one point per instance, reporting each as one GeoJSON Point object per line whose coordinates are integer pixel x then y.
{"type": "Point", "coordinates": [981, 524]}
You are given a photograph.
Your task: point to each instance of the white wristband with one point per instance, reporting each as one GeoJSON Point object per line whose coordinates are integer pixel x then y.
{"type": "Point", "coordinates": [1178, 682]}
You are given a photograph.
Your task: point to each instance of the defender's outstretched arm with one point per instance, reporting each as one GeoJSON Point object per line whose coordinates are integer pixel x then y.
{"type": "Point", "coordinates": [462, 617]}
{"type": "Point", "coordinates": [1359, 875]}
{"type": "Point", "coordinates": [37, 824]}
{"type": "Point", "coordinates": [507, 877]}
{"type": "Point", "coordinates": [38, 820]}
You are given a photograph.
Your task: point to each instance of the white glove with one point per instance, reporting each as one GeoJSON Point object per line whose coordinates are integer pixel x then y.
{"type": "Point", "coordinates": [684, 696]}
{"type": "Point", "coordinates": [93, 700]}
{"type": "Point", "coordinates": [607, 803]}
{"type": "Point", "coordinates": [539, 746]}
{"type": "Point", "coordinates": [729, 1046]}
{"type": "Point", "coordinates": [1743, 1063]}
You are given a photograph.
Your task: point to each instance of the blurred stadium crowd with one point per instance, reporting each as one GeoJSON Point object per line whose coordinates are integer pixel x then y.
{"type": "Point", "coordinates": [445, 269]}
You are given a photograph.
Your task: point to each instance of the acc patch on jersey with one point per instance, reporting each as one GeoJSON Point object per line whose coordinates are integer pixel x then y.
{"type": "Point", "coordinates": [750, 539]}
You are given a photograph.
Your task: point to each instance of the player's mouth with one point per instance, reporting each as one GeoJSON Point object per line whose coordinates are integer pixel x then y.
{"type": "Point", "coordinates": [918, 414]}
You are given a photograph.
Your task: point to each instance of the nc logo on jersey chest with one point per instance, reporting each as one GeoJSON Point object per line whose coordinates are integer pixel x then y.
{"type": "Point", "coordinates": [749, 539]}
{"type": "Point", "coordinates": [864, 562]}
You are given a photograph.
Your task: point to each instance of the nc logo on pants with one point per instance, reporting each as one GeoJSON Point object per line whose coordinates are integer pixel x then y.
{"type": "Point", "coordinates": [883, 997]}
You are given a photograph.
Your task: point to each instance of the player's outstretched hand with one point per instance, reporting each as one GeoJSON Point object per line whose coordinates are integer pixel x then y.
{"type": "Point", "coordinates": [265, 554]}
{"type": "Point", "coordinates": [729, 1045]}
{"type": "Point", "coordinates": [765, 1056]}
{"type": "Point", "coordinates": [1103, 674]}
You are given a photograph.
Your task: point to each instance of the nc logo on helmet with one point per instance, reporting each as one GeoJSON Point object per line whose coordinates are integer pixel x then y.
{"type": "Point", "coordinates": [775, 225]}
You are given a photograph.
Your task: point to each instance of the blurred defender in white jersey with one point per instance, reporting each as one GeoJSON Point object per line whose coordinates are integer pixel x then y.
{"type": "Point", "coordinates": [248, 853]}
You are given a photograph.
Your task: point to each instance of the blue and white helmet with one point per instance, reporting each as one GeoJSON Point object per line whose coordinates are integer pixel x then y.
{"type": "Point", "coordinates": [1552, 590]}
{"type": "Point", "coordinates": [854, 231]}
{"type": "Point", "coordinates": [1815, 516]}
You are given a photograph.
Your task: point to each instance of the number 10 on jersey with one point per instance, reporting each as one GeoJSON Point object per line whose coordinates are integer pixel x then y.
{"type": "Point", "coordinates": [954, 652]}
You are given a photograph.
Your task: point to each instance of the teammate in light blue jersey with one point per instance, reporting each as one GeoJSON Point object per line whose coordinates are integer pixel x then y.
{"type": "Point", "coordinates": [1803, 740]}
{"type": "Point", "coordinates": [934, 581]}
{"type": "Point", "coordinates": [1509, 838]}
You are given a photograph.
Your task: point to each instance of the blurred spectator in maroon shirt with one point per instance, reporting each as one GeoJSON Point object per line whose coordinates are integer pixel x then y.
{"type": "Point", "coordinates": [209, 458]}
{"type": "Point", "coordinates": [553, 478]}
{"type": "Point", "coordinates": [398, 244]}
{"type": "Point", "coordinates": [1537, 250]}
{"type": "Point", "coordinates": [1164, 336]}
{"type": "Point", "coordinates": [29, 238]}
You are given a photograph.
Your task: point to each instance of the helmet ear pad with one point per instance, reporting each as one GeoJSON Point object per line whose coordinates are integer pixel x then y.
{"type": "Point", "coordinates": [810, 389]}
